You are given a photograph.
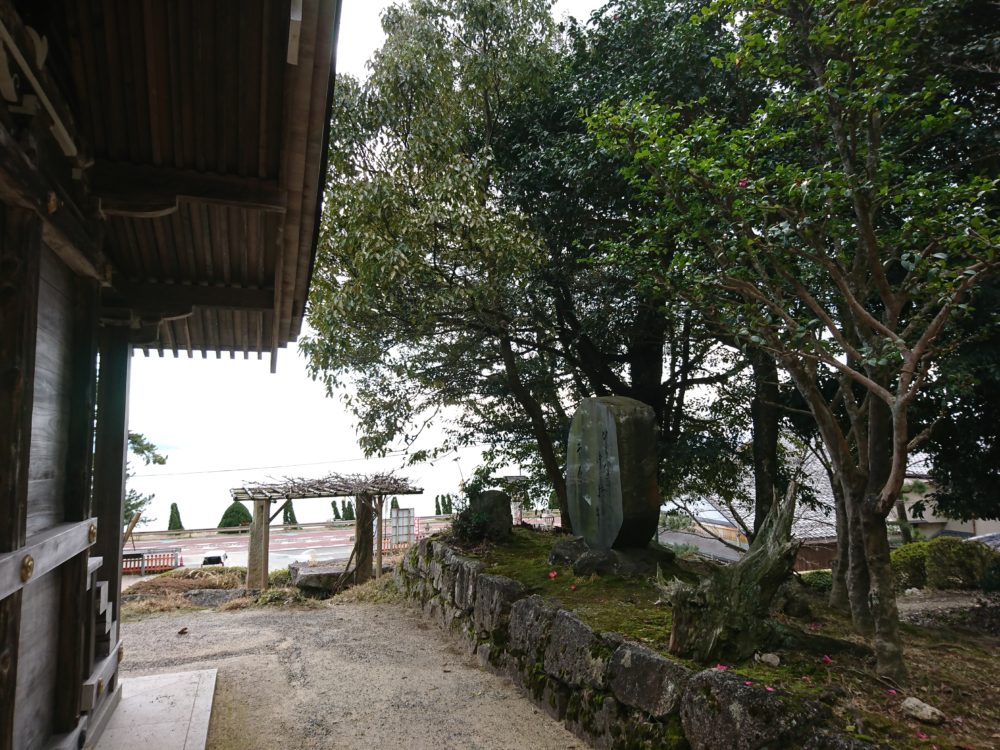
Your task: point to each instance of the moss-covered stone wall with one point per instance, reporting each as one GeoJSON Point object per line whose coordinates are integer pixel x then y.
{"type": "Point", "coordinates": [608, 691]}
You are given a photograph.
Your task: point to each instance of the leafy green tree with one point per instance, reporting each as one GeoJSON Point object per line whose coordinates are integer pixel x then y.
{"type": "Point", "coordinates": [135, 502]}
{"type": "Point", "coordinates": [235, 515]}
{"type": "Point", "coordinates": [394, 503]}
{"type": "Point", "coordinates": [473, 256]}
{"type": "Point", "coordinates": [174, 524]}
{"type": "Point", "coordinates": [962, 416]}
{"type": "Point", "coordinates": [437, 505]}
{"type": "Point", "coordinates": [288, 515]}
{"type": "Point", "coordinates": [336, 510]}
{"type": "Point", "coordinates": [821, 231]}
{"type": "Point", "coordinates": [349, 511]}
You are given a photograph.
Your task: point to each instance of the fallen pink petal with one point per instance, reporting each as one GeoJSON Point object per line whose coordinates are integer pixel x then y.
{"type": "Point", "coordinates": [748, 682]}
{"type": "Point", "coordinates": [827, 660]}
{"type": "Point", "coordinates": [721, 667]}
{"type": "Point", "coordinates": [769, 689]}
{"type": "Point", "coordinates": [552, 574]}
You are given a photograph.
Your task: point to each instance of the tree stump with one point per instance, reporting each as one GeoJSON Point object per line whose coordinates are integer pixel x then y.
{"type": "Point", "coordinates": [727, 614]}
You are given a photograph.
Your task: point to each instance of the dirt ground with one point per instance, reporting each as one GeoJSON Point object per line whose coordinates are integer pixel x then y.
{"type": "Point", "coordinates": [341, 676]}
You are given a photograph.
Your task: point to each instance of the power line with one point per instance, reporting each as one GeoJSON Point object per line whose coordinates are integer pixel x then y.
{"type": "Point", "coordinates": [259, 468]}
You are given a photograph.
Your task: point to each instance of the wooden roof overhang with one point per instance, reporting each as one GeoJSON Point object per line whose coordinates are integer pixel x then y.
{"type": "Point", "coordinates": [332, 485]}
{"type": "Point", "coordinates": [176, 149]}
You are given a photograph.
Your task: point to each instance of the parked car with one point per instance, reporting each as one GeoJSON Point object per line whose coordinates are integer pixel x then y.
{"type": "Point", "coordinates": [214, 557]}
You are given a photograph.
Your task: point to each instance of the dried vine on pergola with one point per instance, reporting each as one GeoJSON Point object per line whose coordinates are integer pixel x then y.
{"type": "Point", "coordinates": [332, 485]}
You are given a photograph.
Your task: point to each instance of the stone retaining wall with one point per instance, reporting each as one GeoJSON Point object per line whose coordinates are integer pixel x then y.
{"type": "Point", "coordinates": [609, 692]}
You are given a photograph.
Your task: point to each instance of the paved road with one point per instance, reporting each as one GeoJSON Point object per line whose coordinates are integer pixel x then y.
{"type": "Point", "coordinates": [286, 546]}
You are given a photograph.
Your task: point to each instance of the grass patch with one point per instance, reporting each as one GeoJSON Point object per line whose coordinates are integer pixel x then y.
{"type": "Point", "coordinates": [376, 591]}
{"type": "Point", "coordinates": [188, 579]}
{"type": "Point", "coordinates": [169, 602]}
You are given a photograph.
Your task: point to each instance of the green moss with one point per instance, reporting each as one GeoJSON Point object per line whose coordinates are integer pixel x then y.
{"type": "Point", "coordinates": [606, 603]}
{"type": "Point", "coordinates": [536, 678]}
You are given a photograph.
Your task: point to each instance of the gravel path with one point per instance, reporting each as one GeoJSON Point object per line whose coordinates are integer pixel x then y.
{"type": "Point", "coordinates": [343, 676]}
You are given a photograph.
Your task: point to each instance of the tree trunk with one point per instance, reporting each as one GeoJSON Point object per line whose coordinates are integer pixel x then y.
{"type": "Point", "coordinates": [765, 416]}
{"type": "Point", "coordinates": [857, 565]}
{"type": "Point", "coordinates": [363, 539]}
{"type": "Point", "coordinates": [645, 356]}
{"type": "Point", "coordinates": [882, 599]}
{"type": "Point", "coordinates": [539, 429]}
{"type": "Point", "coordinates": [881, 594]}
{"type": "Point", "coordinates": [839, 599]}
{"type": "Point", "coordinates": [727, 614]}
{"type": "Point", "coordinates": [905, 530]}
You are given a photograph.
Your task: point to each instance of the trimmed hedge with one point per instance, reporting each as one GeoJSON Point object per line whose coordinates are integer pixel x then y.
{"type": "Point", "coordinates": [953, 563]}
{"type": "Point", "coordinates": [235, 515]}
{"type": "Point", "coordinates": [909, 565]}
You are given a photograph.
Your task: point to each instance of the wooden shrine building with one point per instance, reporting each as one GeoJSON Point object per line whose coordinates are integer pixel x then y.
{"type": "Point", "coordinates": [161, 172]}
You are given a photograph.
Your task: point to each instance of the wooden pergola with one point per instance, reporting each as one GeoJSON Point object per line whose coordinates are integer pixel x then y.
{"type": "Point", "coordinates": [369, 491]}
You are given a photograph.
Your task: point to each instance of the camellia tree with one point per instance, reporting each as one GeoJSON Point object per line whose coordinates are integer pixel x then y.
{"type": "Point", "coordinates": [825, 228]}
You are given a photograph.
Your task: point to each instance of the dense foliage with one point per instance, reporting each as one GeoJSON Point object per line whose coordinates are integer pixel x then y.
{"type": "Point", "coordinates": [235, 515]}
{"type": "Point", "coordinates": [746, 215]}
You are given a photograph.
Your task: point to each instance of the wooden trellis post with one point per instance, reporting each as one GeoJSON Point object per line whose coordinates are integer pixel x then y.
{"type": "Point", "coordinates": [369, 493]}
{"type": "Point", "coordinates": [363, 538]}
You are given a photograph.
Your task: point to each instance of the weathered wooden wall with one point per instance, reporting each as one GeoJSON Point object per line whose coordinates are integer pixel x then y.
{"type": "Point", "coordinates": [53, 642]}
{"type": "Point", "coordinates": [50, 412]}
{"type": "Point", "coordinates": [39, 642]}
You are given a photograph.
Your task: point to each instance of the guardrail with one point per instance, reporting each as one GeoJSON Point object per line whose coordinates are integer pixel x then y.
{"type": "Point", "coordinates": [141, 561]}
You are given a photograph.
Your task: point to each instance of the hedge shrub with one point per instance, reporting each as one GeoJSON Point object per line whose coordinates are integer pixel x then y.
{"type": "Point", "coordinates": [235, 515]}
{"type": "Point", "coordinates": [991, 578]}
{"type": "Point", "coordinates": [820, 580]}
{"type": "Point", "coordinates": [956, 564]}
{"type": "Point", "coordinates": [909, 565]}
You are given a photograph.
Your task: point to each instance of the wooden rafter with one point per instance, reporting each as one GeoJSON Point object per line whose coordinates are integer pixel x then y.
{"type": "Point", "coordinates": [149, 191]}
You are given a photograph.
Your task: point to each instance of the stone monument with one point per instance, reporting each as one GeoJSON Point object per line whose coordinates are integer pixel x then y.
{"type": "Point", "coordinates": [614, 500]}
{"type": "Point", "coordinates": [494, 506]}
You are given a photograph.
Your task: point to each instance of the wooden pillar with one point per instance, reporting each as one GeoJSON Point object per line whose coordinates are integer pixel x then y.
{"type": "Point", "coordinates": [379, 503]}
{"type": "Point", "coordinates": [363, 538]}
{"type": "Point", "coordinates": [260, 543]}
{"type": "Point", "coordinates": [110, 449]}
{"type": "Point", "coordinates": [20, 251]}
{"type": "Point", "coordinates": [83, 396]}
{"type": "Point", "coordinates": [76, 615]}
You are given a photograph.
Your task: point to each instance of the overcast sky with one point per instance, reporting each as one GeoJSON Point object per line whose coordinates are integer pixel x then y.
{"type": "Point", "coordinates": [224, 421]}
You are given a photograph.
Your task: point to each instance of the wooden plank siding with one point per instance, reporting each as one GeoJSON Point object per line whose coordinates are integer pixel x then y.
{"type": "Point", "coordinates": [51, 408]}
{"type": "Point", "coordinates": [20, 241]}
{"type": "Point", "coordinates": [37, 663]}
